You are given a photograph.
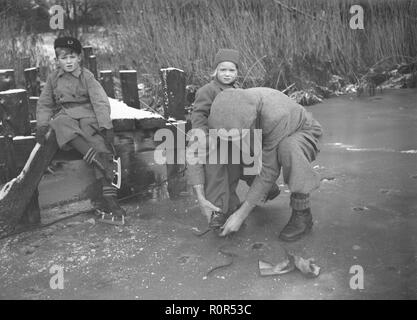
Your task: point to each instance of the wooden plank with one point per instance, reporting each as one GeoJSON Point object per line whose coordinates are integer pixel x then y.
{"type": "Point", "coordinates": [128, 80]}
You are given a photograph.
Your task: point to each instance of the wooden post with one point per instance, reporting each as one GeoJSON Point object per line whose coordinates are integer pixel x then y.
{"type": "Point", "coordinates": [32, 82]}
{"type": "Point", "coordinates": [128, 79]}
{"type": "Point", "coordinates": [25, 62]}
{"type": "Point", "coordinates": [17, 195]}
{"type": "Point", "coordinates": [7, 79]}
{"type": "Point", "coordinates": [173, 86]}
{"type": "Point", "coordinates": [92, 65]}
{"type": "Point", "coordinates": [88, 51]}
{"type": "Point", "coordinates": [106, 80]}
{"type": "Point", "coordinates": [14, 112]}
{"type": "Point", "coordinates": [33, 101]}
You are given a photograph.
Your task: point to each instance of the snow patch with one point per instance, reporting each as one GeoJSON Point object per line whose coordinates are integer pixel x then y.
{"type": "Point", "coordinates": [23, 138]}
{"type": "Point", "coordinates": [170, 69]}
{"type": "Point", "coordinates": [120, 110]}
{"type": "Point", "coordinates": [12, 91]}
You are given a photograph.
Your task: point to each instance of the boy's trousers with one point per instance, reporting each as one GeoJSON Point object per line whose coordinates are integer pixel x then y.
{"type": "Point", "coordinates": [67, 128]}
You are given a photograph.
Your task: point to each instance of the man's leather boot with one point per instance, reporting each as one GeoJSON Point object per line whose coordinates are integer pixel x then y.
{"type": "Point", "coordinates": [301, 220]}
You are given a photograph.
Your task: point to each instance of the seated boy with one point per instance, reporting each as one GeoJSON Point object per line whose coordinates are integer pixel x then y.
{"type": "Point", "coordinates": [74, 104]}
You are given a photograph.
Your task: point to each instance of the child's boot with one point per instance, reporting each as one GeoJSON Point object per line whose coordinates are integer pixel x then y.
{"type": "Point", "coordinates": [301, 220]}
{"type": "Point", "coordinates": [108, 206]}
{"type": "Point", "coordinates": [102, 161]}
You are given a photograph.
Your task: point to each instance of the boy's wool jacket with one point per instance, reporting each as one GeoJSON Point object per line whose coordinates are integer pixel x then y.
{"type": "Point", "coordinates": [78, 94]}
{"type": "Point", "coordinates": [202, 104]}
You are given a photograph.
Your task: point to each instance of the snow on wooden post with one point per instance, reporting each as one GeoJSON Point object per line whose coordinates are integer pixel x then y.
{"type": "Point", "coordinates": [128, 80]}
{"type": "Point", "coordinates": [92, 65]}
{"type": "Point", "coordinates": [32, 82]}
{"type": "Point", "coordinates": [7, 79]}
{"type": "Point", "coordinates": [173, 86]}
{"type": "Point", "coordinates": [14, 112]}
{"type": "Point", "coordinates": [106, 80]}
{"type": "Point", "coordinates": [87, 51]}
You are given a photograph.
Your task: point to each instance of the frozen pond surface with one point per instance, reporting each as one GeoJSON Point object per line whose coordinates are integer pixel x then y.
{"type": "Point", "coordinates": [365, 214]}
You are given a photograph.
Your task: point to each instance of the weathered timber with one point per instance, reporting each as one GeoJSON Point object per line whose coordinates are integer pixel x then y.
{"type": "Point", "coordinates": [128, 80]}
{"type": "Point", "coordinates": [22, 146]}
{"type": "Point", "coordinates": [25, 62]}
{"type": "Point", "coordinates": [16, 195]}
{"type": "Point", "coordinates": [7, 159]}
{"type": "Point", "coordinates": [87, 51]}
{"type": "Point", "coordinates": [173, 86]}
{"type": "Point", "coordinates": [92, 65]}
{"type": "Point", "coordinates": [106, 80]}
{"type": "Point", "coordinates": [32, 82]}
{"type": "Point", "coordinates": [33, 101]}
{"type": "Point", "coordinates": [14, 112]}
{"type": "Point", "coordinates": [7, 79]}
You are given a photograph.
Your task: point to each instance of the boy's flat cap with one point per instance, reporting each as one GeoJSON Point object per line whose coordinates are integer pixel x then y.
{"type": "Point", "coordinates": [68, 42]}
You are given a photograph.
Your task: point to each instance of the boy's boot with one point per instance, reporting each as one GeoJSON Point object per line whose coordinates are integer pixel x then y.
{"type": "Point", "coordinates": [301, 219]}
{"type": "Point", "coordinates": [217, 220]}
{"type": "Point", "coordinates": [101, 160]}
{"type": "Point", "coordinates": [108, 206]}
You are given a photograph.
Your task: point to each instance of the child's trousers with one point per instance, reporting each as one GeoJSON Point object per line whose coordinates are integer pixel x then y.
{"type": "Point", "coordinates": [67, 128]}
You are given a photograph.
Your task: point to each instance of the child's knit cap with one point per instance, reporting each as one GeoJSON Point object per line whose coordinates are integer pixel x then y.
{"type": "Point", "coordinates": [68, 42]}
{"type": "Point", "coordinates": [227, 55]}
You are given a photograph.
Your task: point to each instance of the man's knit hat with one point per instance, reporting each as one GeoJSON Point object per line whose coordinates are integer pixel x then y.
{"type": "Point", "coordinates": [68, 42]}
{"type": "Point", "coordinates": [227, 55]}
{"type": "Point", "coordinates": [233, 109]}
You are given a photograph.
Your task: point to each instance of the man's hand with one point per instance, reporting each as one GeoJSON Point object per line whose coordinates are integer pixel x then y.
{"type": "Point", "coordinates": [206, 206]}
{"type": "Point", "coordinates": [41, 134]}
{"type": "Point", "coordinates": [235, 221]}
{"type": "Point", "coordinates": [108, 135]}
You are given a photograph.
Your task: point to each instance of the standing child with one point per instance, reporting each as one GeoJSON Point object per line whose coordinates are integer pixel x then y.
{"type": "Point", "coordinates": [212, 190]}
{"type": "Point", "coordinates": [74, 104]}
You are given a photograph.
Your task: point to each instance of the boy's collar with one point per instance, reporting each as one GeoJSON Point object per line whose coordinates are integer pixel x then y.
{"type": "Point", "coordinates": [76, 73]}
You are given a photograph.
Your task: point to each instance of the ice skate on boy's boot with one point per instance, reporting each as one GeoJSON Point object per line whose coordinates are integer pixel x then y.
{"type": "Point", "coordinates": [102, 161]}
{"type": "Point", "coordinates": [108, 208]}
{"type": "Point", "coordinates": [301, 220]}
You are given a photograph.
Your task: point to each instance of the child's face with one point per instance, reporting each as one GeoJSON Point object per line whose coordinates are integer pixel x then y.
{"type": "Point", "coordinates": [226, 72]}
{"type": "Point", "coordinates": [68, 61]}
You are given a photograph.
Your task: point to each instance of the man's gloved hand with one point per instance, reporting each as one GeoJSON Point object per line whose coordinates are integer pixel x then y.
{"type": "Point", "coordinates": [41, 134]}
{"type": "Point", "coordinates": [108, 135]}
